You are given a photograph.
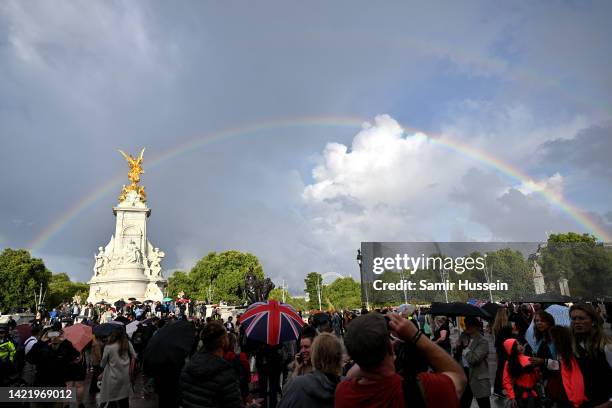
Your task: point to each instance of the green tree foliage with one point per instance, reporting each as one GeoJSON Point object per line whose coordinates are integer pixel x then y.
{"type": "Point", "coordinates": [313, 281]}
{"type": "Point", "coordinates": [62, 289]}
{"type": "Point", "coordinates": [379, 298]}
{"type": "Point", "coordinates": [586, 264]}
{"type": "Point", "coordinates": [178, 282]}
{"type": "Point", "coordinates": [343, 294]}
{"type": "Point", "coordinates": [216, 277]}
{"type": "Point", "coordinates": [297, 303]}
{"type": "Point", "coordinates": [511, 267]}
{"type": "Point", "coordinates": [20, 276]}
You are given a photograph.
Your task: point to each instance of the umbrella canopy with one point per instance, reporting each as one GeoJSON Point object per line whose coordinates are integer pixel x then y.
{"type": "Point", "coordinates": [491, 308]}
{"type": "Point", "coordinates": [131, 328]}
{"type": "Point", "coordinates": [457, 309]}
{"type": "Point", "coordinates": [167, 299]}
{"type": "Point", "coordinates": [119, 303]}
{"type": "Point", "coordinates": [132, 299]}
{"type": "Point", "coordinates": [271, 322]}
{"type": "Point", "coordinates": [79, 335]}
{"type": "Point", "coordinates": [149, 301]}
{"type": "Point", "coordinates": [547, 298]}
{"type": "Point", "coordinates": [122, 319]}
{"type": "Point", "coordinates": [169, 346]}
{"type": "Point", "coordinates": [102, 303]}
{"type": "Point", "coordinates": [561, 316]}
{"type": "Point", "coordinates": [182, 300]}
{"type": "Point", "coordinates": [149, 321]}
{"type": "Point", "coordinates": [105, 329]}
{"type": "Point", "coordinates": [24, 330]}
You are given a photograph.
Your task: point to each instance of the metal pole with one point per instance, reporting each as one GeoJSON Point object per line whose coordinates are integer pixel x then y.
{"type": "Point", "coordinates": [403, 285]}
{"type": "Point", "coordinates": [319, 292]}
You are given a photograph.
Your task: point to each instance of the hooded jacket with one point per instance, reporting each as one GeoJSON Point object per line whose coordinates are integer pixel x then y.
{"type": "Point", "coordinates": [314, 389]}
{"type": "Point", "coordinates": [527, 380]}
{"type": "Point", "coordinates": [209, 381]}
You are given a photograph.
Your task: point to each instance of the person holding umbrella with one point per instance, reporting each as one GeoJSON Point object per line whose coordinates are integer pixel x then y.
{"type": "Point", "coordinates": [208, 380]}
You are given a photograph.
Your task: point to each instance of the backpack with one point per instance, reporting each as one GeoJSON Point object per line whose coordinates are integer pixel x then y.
{"type": "Point", "coordinates": [20, 355]}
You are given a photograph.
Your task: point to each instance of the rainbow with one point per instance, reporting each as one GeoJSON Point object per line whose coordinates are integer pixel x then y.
{"type": "Point", "coordinates": [114, 184]}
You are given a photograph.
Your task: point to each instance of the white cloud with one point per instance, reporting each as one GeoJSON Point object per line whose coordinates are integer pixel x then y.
{"type": "Point", "coordinates": [552, 184]}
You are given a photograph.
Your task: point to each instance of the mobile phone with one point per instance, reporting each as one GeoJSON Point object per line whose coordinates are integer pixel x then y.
{"type": "Point", "coordinates": [299, 358]}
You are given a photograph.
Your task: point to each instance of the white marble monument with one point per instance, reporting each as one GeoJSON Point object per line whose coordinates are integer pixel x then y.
{"type": "Point", "coordinates": [129, 265]}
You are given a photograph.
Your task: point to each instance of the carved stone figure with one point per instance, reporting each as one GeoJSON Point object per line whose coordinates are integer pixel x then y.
{"type": "Point", "coordinates": [155, 258]}
{"type": "Point", "coordinates": [132, 254]}
{"type": "Point", "coordinates": [101, 261]}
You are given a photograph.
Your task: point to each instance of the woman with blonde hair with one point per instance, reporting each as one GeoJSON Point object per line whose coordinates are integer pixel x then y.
{"type": "Point", "coordinates": [317, 388]}
{"type": "Point", "coordinates": [594, 351]}
{"type": "Point", "coordinates": [502, 331]}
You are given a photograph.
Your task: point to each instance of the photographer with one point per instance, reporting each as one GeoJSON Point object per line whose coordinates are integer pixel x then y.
{"type": "Point", "coordinates": [373, 381]}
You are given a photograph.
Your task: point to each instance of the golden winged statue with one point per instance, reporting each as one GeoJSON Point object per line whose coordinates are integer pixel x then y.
{"type": "Point", "coordinates": [134, 176]}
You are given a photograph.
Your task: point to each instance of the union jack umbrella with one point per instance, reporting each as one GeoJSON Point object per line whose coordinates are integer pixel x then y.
{"type": "Point", "coordinates": [271, 322]}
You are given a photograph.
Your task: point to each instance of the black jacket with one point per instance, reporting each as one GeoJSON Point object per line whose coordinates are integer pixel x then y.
{"type": "Point", "coordinates": [209, 381]}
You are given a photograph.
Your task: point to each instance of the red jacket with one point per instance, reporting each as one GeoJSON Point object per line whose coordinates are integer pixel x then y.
{"type": "Point", "coordinates": [527, 379]}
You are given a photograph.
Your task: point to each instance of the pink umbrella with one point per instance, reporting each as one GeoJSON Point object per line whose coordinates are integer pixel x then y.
{"type": "Point", "coordinates": [25, 331]}
{"type": "Point", "coordinates": [79, 335]}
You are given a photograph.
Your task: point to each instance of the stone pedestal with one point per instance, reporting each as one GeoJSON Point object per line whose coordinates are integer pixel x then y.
{"type": "Point", "coordinates": [129, 265]}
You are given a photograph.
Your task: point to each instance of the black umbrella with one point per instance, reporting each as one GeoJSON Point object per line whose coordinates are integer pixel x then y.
{"type": "Point", "coordinates": [119, 303]}
{"type": "Point", "coordinates": [169, 346]}
{"type": "Point", "coordinates": [122, 319]}
{"type": "Point", "coordinates": [102, 303]}
{"type": "Point", "coordinates": [105, 329]}
{"type": "Point", "coordinates": [457, 309]}
{"type": "Point", "coordinates": [132, 299]}
{"type": "Point", "coordinates": [548, 298]}
{"type": "Point", "coordinates": [149, 301]}
{"type": "Point", "coordinates": [491, 308]}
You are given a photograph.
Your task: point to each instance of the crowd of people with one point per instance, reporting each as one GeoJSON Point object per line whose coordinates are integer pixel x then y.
{"type": "Point", "coordinates": [394, 357]}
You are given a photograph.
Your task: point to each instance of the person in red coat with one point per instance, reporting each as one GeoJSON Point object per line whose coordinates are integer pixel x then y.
{"type": "Point", "coordinates": [520, 376]}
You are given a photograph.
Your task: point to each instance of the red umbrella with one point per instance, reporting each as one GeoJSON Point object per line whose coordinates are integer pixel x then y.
{"type": "Point", "coordinates": [271, 322]}
{"type": "Point", "coordinates": [25, 331]}
{"type": "Point", "coordinates": [79, 335]}
{"type": "Point", "coordinates": [182, 300]}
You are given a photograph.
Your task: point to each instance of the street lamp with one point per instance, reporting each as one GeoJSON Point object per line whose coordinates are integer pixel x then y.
{"type": "Point", "coordinates": [364, 284]}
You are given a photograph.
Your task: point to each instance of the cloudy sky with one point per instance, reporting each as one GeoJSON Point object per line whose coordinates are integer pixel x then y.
{"type": "Point", "coordinates": [296, 130]}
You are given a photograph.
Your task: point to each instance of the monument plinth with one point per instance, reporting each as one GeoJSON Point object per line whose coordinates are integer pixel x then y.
{"type": "Point", "coordinates": [129, 265]}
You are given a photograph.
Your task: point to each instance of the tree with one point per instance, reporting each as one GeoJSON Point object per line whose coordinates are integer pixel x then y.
{"type": "Point", "coordinates": [578, 258]}
{"type": "Point", "coordinates": [343, 294]}
{"type": "Point", "coordinates": [62, 289]}
{"type": "Point", "coordinates": [220, 276]}
{"type": "Point", "coordinates": [297, 303]}
{"type": "Point", "coordinates": [178, 282]}
{"type": "Point", "coordinates": [314, 285]}
{"type": "Point", "coordinates": [511, 267]}
{"type": "Point", "coordinates": [21, 277]}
